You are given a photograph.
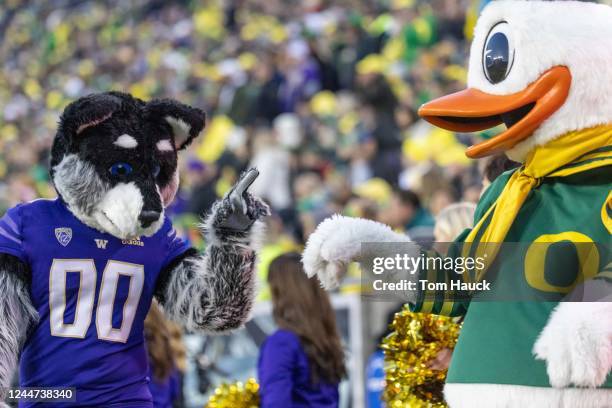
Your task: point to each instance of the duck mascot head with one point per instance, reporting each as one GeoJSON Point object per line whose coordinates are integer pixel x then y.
{"type": "Point", "coordinates": [544, 70]}
{"type": "Point", "coordinates": [539, 67]}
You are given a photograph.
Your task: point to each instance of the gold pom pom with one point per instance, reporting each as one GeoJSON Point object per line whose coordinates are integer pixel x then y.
{"type": "Point", "coordinates": [237, 395]}
{"type": "Point", "coordinates": [409, 349]}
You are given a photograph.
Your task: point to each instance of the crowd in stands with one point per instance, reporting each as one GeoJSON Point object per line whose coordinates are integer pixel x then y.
{"type": "Point", "coordinates": [320, 95]}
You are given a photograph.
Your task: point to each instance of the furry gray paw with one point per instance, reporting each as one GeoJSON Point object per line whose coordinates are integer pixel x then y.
{"type": "Point", "coordinates": [239, 210]}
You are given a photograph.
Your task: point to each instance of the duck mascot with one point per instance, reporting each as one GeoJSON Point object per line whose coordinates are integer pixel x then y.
{"type": "Point", "coordinates": [544, 69]}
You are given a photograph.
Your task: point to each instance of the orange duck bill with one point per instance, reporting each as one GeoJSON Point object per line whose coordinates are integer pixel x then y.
{"type": "Point", "coordinates": [472, 110]}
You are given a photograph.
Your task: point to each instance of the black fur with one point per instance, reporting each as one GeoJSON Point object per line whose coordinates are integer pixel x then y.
{"type": "Point", "coordinates": [164, 276]}
{"type": "Point", "coordinates": [19, 269]}
{"type": "Point", "coordinates": [90, 125]}
{"type": "Point", "coordinates": [160, 109]}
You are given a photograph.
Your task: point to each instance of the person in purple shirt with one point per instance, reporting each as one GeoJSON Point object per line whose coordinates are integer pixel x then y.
{"type": "Point", "coordinates": [164, 377]}
{"type": "Point", "coordinates": [302, 363]}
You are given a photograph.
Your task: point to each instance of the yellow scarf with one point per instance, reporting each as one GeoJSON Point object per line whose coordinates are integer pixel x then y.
{"type": "Point", "coordinates": [569, 154]}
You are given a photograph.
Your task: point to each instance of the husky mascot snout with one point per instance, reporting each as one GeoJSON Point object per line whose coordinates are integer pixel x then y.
{"type": "Point", "coordinates": [78, 273]}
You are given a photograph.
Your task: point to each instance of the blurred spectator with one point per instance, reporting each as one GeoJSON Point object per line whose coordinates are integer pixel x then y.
{"type": "Point", "coordinates": [375, 368]}
{"type": "Point", "coordinates": [453, 220]}
{"type": "Point", "coordinates": [321, 96]}
{"type": "Point", "coordinates": [495, 166]}
{"type": "Point", "coordinates": [405, 213]}
{"type": "Point", "coordinates": [274, 164]}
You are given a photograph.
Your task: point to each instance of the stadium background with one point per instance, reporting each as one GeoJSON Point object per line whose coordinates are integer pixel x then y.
{"type": "Point", "coordinates": [320, 95]}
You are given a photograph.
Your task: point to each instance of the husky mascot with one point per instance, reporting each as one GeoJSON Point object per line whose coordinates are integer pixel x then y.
{"type": "Point", "coordinates": [78, 273]}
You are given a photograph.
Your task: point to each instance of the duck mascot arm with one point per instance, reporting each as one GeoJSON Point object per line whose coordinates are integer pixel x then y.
{"type": "Point", "coordinates": [336, 242]}
{"type": "Point", "coordinates": [541, 68]}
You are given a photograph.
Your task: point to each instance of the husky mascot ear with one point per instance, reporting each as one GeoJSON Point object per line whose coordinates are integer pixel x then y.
{"type": "Point", "coordinates": [87, 112]}
{"type": "Point", "coordinates": [80, 115]}
{"type": "Point", "coordinates": [186, 122]}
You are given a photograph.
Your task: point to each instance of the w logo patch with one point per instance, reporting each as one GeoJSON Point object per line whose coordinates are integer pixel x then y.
{"type": "Point", "coordinates": [101, 243]}
{"type": "Point", "coordinates": [63, 235]}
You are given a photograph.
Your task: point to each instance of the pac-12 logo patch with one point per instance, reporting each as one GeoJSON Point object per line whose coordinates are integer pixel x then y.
{"type": "Point", "coordinates": [63, 235]}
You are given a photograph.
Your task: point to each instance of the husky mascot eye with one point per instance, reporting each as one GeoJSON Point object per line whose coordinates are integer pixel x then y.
{"type": "Point", "coordinates": [120, 169]}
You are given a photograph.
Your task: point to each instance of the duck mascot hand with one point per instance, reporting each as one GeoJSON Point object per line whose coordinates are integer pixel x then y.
{"type": "Point", "coordinates": [543, 69]}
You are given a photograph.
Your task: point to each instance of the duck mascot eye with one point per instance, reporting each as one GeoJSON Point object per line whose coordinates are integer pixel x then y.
{"type": "Point", "coordinates": [497, 54]}
{"type": "Point", "coordinates": [542, 336]}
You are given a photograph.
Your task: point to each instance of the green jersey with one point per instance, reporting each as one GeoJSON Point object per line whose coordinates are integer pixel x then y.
{"type": "Point", "coordinates": [497, 338]}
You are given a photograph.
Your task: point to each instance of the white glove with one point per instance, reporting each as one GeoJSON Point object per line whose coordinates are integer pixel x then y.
{"type": "Point", "coordinates": [577, 344]}
{"type": "Point", "coordinates": [337, 242]}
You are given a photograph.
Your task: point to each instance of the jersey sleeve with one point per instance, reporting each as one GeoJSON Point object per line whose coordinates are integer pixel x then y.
{"type": "Point", "coordinates": [448, 302]}
{"type": "Point", "coordinates": [11, 238]}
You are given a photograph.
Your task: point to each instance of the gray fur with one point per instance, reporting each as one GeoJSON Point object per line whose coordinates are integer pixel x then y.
{"type": "Point", "coordinates": [18, 315]}
{"type": "Point", "coordinates": [80, 186]}
{"type": "Point", "coordinates": [214, 292]}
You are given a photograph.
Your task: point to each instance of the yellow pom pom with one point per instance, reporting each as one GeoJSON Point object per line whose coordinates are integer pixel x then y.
{"type": "Point", "coordinates": [347, 123]}
{"type": "Point", "coordinates": [86, 68]}
{"type": "Point", "coordinates": [208, 22]}
{"type": "Point", "coordinates": [140, 90]}
{"type": "Point", "coordinates": [415, 341]}
{"type": "Point", "coordinates": [237, 395]}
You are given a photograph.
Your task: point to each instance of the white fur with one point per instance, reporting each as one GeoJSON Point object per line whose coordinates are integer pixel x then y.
{"type": "Point", "coordinates": [577, 344]}
{"type": "Point", "coordinates": [79, 184]}
{"type": "Point", "coordinates": [117, 213]}
{"type": "Point", "coordinates": [94, 203]}
{"type": "Point", "coordinates": [126, 141]}
{"type": "Point", "coordinates": [17, 315]}
{"type": "Point", "coordinates": [545, 34]}
{"type": "Point", "coordinates": [337, 241]}
{"type": "Point", "coordinates": [164, 145]}
{"type": "Point", "coordinates": [180, 128]}
{"type": "Point", "coordinates": [513, 396]}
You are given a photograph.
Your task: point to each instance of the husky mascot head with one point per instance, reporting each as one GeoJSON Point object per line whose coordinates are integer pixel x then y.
{"type": "Point", "coordinates": [114, 159]}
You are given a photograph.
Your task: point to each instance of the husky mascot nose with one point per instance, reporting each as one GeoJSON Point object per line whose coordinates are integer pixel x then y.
{"type": "Point", "coordinates": [147, 218]}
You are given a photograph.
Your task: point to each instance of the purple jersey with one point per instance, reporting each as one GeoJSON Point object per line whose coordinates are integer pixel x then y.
{"type": "Point", "coordinates": [92, 292]}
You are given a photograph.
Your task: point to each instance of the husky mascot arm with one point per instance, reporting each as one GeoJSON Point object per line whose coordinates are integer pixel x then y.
{"type": "Point", "coordinates": [78, 273]}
